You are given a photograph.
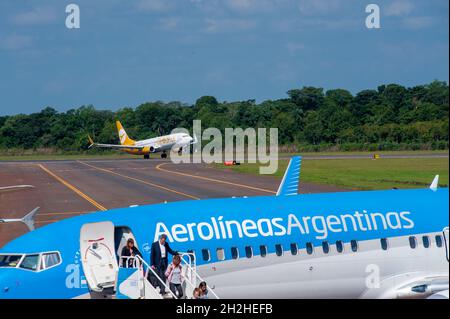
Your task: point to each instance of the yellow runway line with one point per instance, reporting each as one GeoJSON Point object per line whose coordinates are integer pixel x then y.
{"type": "Point", "coordinates": [158, 167]}
{"type": "Point", "coordinates": [73, 188]}
{"type": "Point", "coordinates": [140, 181]}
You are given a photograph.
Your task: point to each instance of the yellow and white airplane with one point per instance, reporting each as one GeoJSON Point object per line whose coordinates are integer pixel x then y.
{"type": "Point", "coordinates": [177, 142]}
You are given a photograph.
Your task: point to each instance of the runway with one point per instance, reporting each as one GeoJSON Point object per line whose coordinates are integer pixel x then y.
{"type": "Point", "coordinates": [68, 188]}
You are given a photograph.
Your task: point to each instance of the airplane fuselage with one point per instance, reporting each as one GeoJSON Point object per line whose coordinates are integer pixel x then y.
{"type": "Point", "coordinates": [337, 245]}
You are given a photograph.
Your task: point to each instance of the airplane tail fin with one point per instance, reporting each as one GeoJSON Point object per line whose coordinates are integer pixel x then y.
{"type": "Point", "coordinates": [28, 219]}
{"type": "Point", "coordinates": [434, 185]}
{"type": "Point", "coordinates": [91, 141]}
{"type": "Point", "coordinates": [289, 183]}
{"type": "Point", "coordinates": [123, 136]}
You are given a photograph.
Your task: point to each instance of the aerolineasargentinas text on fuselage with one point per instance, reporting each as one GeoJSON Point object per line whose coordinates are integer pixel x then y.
{"type": "Point", "coordinates": [362, 244]}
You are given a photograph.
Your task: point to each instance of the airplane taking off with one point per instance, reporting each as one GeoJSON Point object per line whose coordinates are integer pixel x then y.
{"type": "Point", "coordinates": [362, 244]}
{"type": "Point", "coordinates": [178, 142]}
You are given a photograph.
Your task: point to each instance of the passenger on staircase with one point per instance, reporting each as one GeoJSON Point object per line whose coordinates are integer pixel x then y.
{"type": "Point", "coordinates": [196, 293]}
{"type": "Point", "coordinates": [203, 290]}
{"type": "Point", "coordinates": [158, 261]}
{"type": "Point", "coordinates": [175, 276]}
{"type": "Point", "coordinates": [130, 250]}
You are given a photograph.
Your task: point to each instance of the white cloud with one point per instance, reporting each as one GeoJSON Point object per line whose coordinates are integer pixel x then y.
{"type": "Point", "coordinates": [313, 7]}
{"type": "Point", "coordinates": [154, 5]}
{"type": "Point", "coordinates": [15, 42]}
{"type": "Point", "coordinates": [37, 16]}
{"type": "Point", "coordinates": [227, 25]}
{"type": "Point", "coordinates": [415, 23]}
{"type": "Point", "coordinates": [170, 23]}
{"type": "Point", "coordinates": [399, 8]}
{"type": "Point", "coordinates": [294, 47]}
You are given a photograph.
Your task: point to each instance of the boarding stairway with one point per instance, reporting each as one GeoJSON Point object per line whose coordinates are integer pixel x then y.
{"type": "Point", "coordinates": [133, 283]}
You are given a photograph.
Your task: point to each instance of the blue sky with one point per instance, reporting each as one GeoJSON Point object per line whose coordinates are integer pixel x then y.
{"type": "Point", "coordinates": [130, 52]}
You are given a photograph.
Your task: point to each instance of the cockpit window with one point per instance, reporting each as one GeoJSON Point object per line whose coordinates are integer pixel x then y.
{"type": "Point", "coordinates": [49, 260]}
{"type": "Point", "coordinates": [30, 262]}
{"type": "Point", "coordinates": [10, 260]}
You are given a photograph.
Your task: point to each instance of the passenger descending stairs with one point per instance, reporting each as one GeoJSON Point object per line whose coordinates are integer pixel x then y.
{"type": "Point", "coordinates": [132, 282]}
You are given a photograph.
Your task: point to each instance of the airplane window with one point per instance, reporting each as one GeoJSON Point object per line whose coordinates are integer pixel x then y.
{"type": "Point", "coordinates": [339, 246]}
{"type": "Point", "coordinates": [263, 250]}
{"type": "Point", "coordinates": [30, 262]}
{"type": "Point", "coordinates": [309, 248]}
{"type": "Point", "coordinates": [50, 260]}
{"type": "Point", "coordinates": [206, 255]}
{"type": "Point", "coordinates": [384, 243]}
{"type": "Point", "coordinates": [192, 254]}
{"type": "Point", "coordinates": [294, 249]}
{"type": "Point", "coordinates": [220, 254]}
{"type": "Point", "coordinates": [325, 247]}
{"type": "Point", "coordinates": [438, 242]}
{"type": "Point", "coordinates": [426, 241]}
{"type": "Point", "coordinates": [248, 251]}
{"type": "Point", "coordinates": [234, 253]}
{"type": "Point", "coordinates": [354, 245]}
{"type": "Point", "coordinates": [279, 250]}
{"type": "Point", "coordinates": [412, 242]}
{"type": "Point", "coordinates": [9, 260]}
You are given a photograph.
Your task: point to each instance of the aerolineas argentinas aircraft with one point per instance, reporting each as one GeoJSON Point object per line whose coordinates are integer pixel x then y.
{"type": "Point", "coordinates": [178, 142]}
{"type": "Point", "coordinates": [365, 244]}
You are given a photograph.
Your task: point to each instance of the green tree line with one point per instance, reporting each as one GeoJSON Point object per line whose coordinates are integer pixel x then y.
{"type": "Point", "coordinates": [392, 117]}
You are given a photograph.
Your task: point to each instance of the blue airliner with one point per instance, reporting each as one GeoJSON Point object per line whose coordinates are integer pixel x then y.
{"type": "Point", "coordinates": [364, 244]}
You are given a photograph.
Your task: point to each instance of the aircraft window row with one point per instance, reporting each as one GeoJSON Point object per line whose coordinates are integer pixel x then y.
{"type": "Point", "coordinates": [263, 251]}
{"type": "Point", "coordinates": [425, 241]}
{"type": "Point", "coordinates": [33, 262]}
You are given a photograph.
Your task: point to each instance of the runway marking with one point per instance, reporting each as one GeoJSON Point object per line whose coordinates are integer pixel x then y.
{"type": "Point", "coordinates": [73, 188]}
{"type": "Point", "coordinates": [140, 180]}
{"type": "Point", "coordinates": [158, 167]}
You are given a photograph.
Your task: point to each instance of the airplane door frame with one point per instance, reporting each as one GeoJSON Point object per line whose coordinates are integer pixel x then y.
{"type": "Point", "coordinates": [98, 257]}
{"type": "Point", "coordinates": [445, 233]}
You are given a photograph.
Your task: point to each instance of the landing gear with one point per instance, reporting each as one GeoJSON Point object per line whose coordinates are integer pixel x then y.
{"type": "Point", "coordinates": [146, 156]}
{"type": "Point", "coordinates": [164, 155]}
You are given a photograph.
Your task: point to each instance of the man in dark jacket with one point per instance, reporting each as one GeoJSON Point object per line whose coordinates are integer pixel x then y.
{"type": "Point", "coordinates": [130, 250]}
{"type": "Point", "coordinates": [159, 261]}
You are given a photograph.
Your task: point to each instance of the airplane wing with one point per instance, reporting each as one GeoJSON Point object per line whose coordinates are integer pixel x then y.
{"type": "Point", "coordinates": [28, 219]}
{"type": "Point", "coordinates": [289, 183]}
{"type": "Point", "coordinates": [411, 286]}
{"type": "Point", "coordinates": [93, 144]}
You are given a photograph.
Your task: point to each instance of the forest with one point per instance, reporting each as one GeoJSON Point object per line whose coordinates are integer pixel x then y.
{"type": "Point", "coordinates": [391, 117]}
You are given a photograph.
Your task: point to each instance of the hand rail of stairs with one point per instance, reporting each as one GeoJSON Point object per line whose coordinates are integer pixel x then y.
{"type": "Point", "coordinates": [191, 261]}
{"type": "Point", "coordinates": [138, 262]}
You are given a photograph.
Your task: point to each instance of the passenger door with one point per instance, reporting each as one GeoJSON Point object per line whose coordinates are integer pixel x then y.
{"type": "Point", "coordinates": [446, 235]}
{"type": "Point", "coordinates": [98, 256]}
